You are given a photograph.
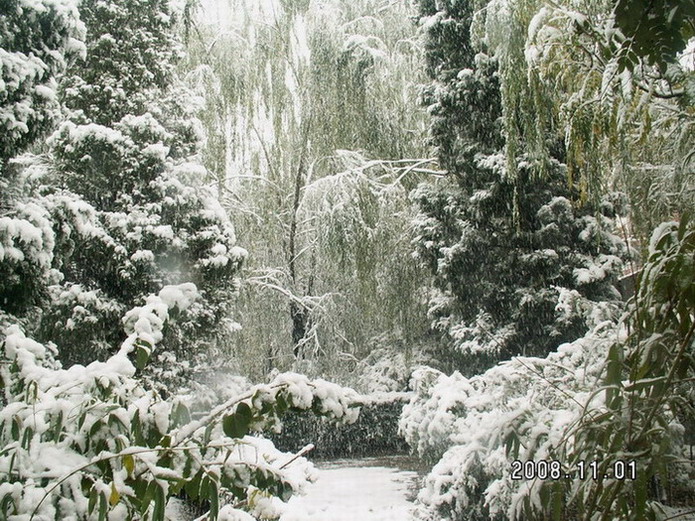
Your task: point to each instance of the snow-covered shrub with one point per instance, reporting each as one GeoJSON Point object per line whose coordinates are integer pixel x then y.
{"type": "Point", "coordinates": [118, 209]}
{"type": "Point", "coordinates": [615, 395]}
{"type": "Point", "coordinates": [519, 409]}
{"type": "Point", "coordinates": [37, 40]}
{"type": "Point", "coordinates": [83, 266]}
{"type": "Point", "coordinates": [107, 165]}
{"type": "Point", "coordinates": [383, 370]}
{"type": "Point", "coordinates": [90, 442]}
{"type": "Point", "coordinates": [499, 292]}
{"type": "Point", "coordinates": [375, 433]}
{"type": "Point", "coordinates": [428, 419]}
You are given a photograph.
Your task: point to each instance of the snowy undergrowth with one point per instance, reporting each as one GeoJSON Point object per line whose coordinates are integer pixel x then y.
{"type": "Point", "coordinates": [620, 396]}
{"type": "Point", "coordinates": [475, 427]}
{"type": "Point", "coordinates": [90, 442]}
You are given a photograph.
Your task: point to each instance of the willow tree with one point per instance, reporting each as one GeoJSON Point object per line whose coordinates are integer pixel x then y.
{"type": "Point", "coordinates": [607, 79]}
{"type": "Point", "coordinates": [311, 124]}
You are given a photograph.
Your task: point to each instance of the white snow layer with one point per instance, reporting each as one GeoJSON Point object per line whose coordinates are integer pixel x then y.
{"type": "Point", "coordinates": [354, 493]}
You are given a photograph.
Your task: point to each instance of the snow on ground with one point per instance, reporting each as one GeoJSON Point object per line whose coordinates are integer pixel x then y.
{"type": "Point", "coordinates": [365, 489]}
{"type": "Point", "coordinates": [349, 490]}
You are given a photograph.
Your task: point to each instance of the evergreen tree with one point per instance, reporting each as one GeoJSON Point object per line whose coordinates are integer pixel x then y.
{"type": "Point", "coordinates": [37, 40]}
{"type": "Point", "coordinates": [517, 257]}
{"type": "Point", "coordinates": [122, 202]}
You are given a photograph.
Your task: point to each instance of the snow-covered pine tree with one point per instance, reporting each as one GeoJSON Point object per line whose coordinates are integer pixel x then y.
{"type": "Point", "coordinates": [517, 257]}
{"type": "Point", "coordinates": [37, 39]}
{"type": "Point", "coordinates": [131, 213]}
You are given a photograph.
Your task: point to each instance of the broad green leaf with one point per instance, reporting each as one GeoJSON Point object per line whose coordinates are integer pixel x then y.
{"type": "Point", "coordinates": [236, 425]}
{"type": "Point", "coordinates": [92, 503]}
{"type": "Point", "coordinates": [103, 507]}
{"type": "Point", "coordinates": [16, 424]}
{"type": "Point", "coordinates": [141, 357]}
{"type": "Point", "coordinates": [159, 504]}
{"type": "Point", "coordinates": [192, 487]}
{"type": "Point", "coordinates": [7, 505]}
{"type": "Point", "coordinates": [213, 497]}
{"type": "Point", "coordinates": [26, 437]}
{"type": "Point", "coordinates": [150, 492]}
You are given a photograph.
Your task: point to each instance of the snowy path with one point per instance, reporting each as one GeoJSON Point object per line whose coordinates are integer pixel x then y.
{"type": "Point", "coordinates": [363, 490]}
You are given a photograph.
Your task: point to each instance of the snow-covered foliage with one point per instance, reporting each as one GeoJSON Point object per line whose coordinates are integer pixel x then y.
{"type": "Point", "coordinates": [358, 219]}
{"type": "Point", "coordinates": [616, 394]}
{"type": "Point", "coordinates": [506, 246]}
{"type": "Point", "coordinates": [375, 433]}
{"type": "Point", "coordinates": [499, 292]}
{"type": "Point", "coordinates": [90, 441]}
{"type": "Point", "coordinates": [75, 315]}
{"type": "Point", "coordinates": [118, 209]}
{"type": "Point", "coordinates": [37, 39]}
{"type": "Point", "coordinates": [536, 111]}
{"type": "Point", "coordinates": [643, 411]}
{"type": "Point", "coordinates": [314, 137]}
{"type": "Point", "coordinates": [475, 427]}
{"type": "Point", "coordinates": [85, 266]}
{"type": "Point", "coordinates": [27, 241]}
{"type": "Point", "coordinates": [605, 78]}
{"type": "Point", "coordinates": [130, 53]}
{"type": "Point", "coordinates": [384, 370]}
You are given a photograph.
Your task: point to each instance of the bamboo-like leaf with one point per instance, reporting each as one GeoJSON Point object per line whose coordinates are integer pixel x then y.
{"type": "Point", "coordinates": [129, 464]}
{"type": "Point", "coordinates": [115, 495]}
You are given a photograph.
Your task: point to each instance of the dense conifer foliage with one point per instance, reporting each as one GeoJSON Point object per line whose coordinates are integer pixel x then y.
{"type": "Point", "coordinates": [121, 193]}
{"type": "Point", "coordinates": [37, 41]}
{"type": "Point", "coordinates": [517, 257]}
